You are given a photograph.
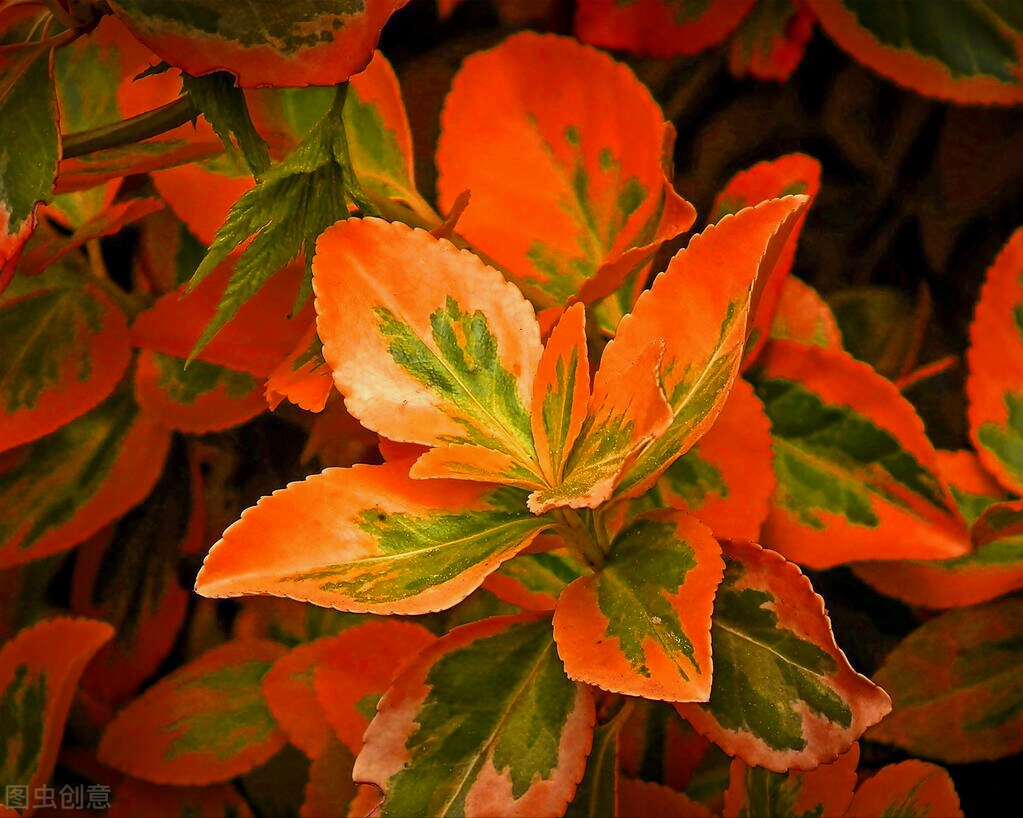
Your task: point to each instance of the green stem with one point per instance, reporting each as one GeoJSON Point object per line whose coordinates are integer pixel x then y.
{"type": "Point", "coordinates": [581, 538]}
{"type": "Point", "coordinates": [152, 123]}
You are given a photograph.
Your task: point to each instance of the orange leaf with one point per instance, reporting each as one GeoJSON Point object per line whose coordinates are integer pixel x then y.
{"type": "Point", "coordinates": [726, 479]}
{"type": "Point", "coordinates": [356, 668]}
{"type": "Point", "coordinates": [911, 788]}
{"type": "Point", "coordinates": [303, 377]}
{"type": "Point", "coordinates": [856, 473]}
{"type": "Point", "coordinates": [995, 568]}
{"type": "Point", "coordinates": [783, 695]}
{"type": "Point", "coordinates": [982, 64]}
{"type": "Point", "coordinates": [198, 399]}
{"type": "Point", "coordinates": [568, 187]}
{"type": "Point", "coordinates": [255, 341]}
{"type": "Point", "coordinates": [795, 173]}
{"type": "Point", "coordinates": [641, 624]}
{"type": "Point", "coordinates": [657, 27]}
{"type": "Point", "coordinates": [67, 347]}
{"type": "Point", "coordinates": [802, 315]}
{"type": "Point", "coordinates": [560, 393]}
{"type": "Point", "coordinates": [824, 791]}
{"type": "Point", "coordinates": [288, 689]}
{"type": "Point", "coordinates": [699, 306]}
{"type": "Point", "coordinates": [370, 538]}
{"type": "Point", "coordinates": [313, 44]}
{"type": "Point", "coordinates": [428, 345]}
{"type": "Point", "coordinates": [39, 671]}
{"type": "Point", "coordinates": [995, 359]}
{"type": "Point", "coordinates": [221, 179]}
{"type": "Point", "coordinates": [204, 723]}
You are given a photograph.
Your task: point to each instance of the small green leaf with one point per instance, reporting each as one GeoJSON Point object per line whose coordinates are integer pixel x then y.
{"type": "Point", "coordinates": [223, 105]}
{"type": "Point", "coordinates": [293, 203]}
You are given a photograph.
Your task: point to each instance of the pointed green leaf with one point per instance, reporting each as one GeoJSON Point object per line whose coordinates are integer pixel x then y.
{"type": "Point", "coordinates": [64, 487]}
{"type": "Point", "coordinates": [956, 685]}
{"type": "Point", "coordinates": [370, 538]}
{"type": "Point", "coordinates": [204, 723]}
{"type": "Point", "coordinates": [641, 624]}
{"type": "Point", "coordinates": [39, 671]}
{"type": "Point", "coordinates": [29, 142]}
{"type": "Point", "coordinates": [783, 696]}
{"type": "Point", "coordinates": [484, 722]}
{"type": "Point", "coordinates": [223, 105]}
{"type": "Point", "coordinates": [295, 201]}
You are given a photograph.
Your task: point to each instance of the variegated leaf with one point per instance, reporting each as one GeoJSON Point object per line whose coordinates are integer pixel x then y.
{"type": "Point", "coordinates": [699, 306]}
{"type": "Point", "coordinates": [67, 346]}
{"type": "Point", "coordinates": [356, 668]}
{"type": "Point", "coordinates": [596, 794]}
{"type": "Point", "coordinates": [993, 569]}
{"type": "Point", "coordinates": [641, 624]}
{"type": "Point", "coordinates": [857, 477]}
{"type": "Point", "coordinates": [484, 722]}
{"type": "Point", "coordinates": [794, 173]}
{"type": "Point", "coordinates": [370, 538]}
{"type": "Point", "coordinates": [128, 575]}
{"type": "Point", "coordinates": [914, 789]}
{"type": "Point", "coordinates": [63, 488]}
{"type": "Point", "coordinates": [783, 695]}
{"type": "Point", "coordinates": [771, 39]}
{"type": "Point", "coordinates": [824, 792]}
{"type": "Point", "coordinates": [648, 799]}
{"type": "Point", "coordinates": [726, 480]}
{"type": "Point", "coordinates": [291, 697]}
{"type": "Point", "coordinates": [255, 341]}
{"type": "Point", "coordinates": [995, 384]}
{"type": "Point", "coordinates": [968, 53]}
{"type": "Point", "coordinates": [802, 315]}
{"type": "Point", "coordinates": [660, 28]}
{"type": "Point", "coordinates": [303, 377]}
{"type": "Point", "coordinates": [330, 789]}
{"type": "Point", "coordinates": [533, 582]}
{"type": "Point", "coordinates": [428, 345]}
{"type": "Point", "coordinates": [198, 399]}
{"type": "Point", "coordinates": [313, 42]}
{"type": "Point", "coordinates": [39, 671]}
{"type": "Point", "coordinates": [205, 722]}
{"type": "Point", "coordinates": [560, 393]}
{"type": "Point", "coordinates": [567, 191]}
{"type": "Point", "coordinates": [956, 686]}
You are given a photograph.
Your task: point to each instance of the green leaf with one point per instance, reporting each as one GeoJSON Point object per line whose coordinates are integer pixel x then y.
{"type": "Point", "coordinates": [223, 105]}
{"type": "Point", "coordinates": [293, 203]}
{"type": "Point", "coordinates": [596, 795]}
{"type": "Point", "coordinates": [29, 142]}
{"type": "Point", "coordinates": [956, 685]}
{"type": "Point", "coordinates": [783, 694]}
{"type": "Point", "coordinates": [483, 722]}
